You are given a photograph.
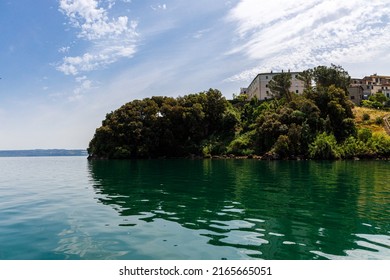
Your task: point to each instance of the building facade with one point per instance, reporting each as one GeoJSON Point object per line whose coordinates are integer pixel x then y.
{"type": "Point", "coordinates": [356, 94]}
{"type": "Point", "coordinates": [373, 84]}
{"type": "Point", "coordinates": [259, 86]}
{"type": "Point", "coordinates": [359, 89]}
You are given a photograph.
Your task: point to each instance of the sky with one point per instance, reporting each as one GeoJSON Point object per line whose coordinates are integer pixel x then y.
{"type": "Point", "coordinates": [65, 64]}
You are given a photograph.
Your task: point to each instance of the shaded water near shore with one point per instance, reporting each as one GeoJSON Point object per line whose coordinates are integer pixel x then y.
{"type": "Point", "coordinates": [71, 208]}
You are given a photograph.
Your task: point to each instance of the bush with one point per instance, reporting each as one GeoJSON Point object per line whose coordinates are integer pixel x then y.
{"type": "Point", "coordinates": [377, 105]}
{"type": "Point", "coordinates": [213, 147]}
{"type": "Point", "coordinates": [379, 120]}
{"type": "Point", "coordinates": [324, 147]}
{"type": "Point", "coordinates": [380, 144]}
{"type": "Point", "coordinates": [378, 97]}
{"type": "Point", "coordinates": [282, 146]}
{"type": "Point", "coordinates": [353, 147]}
{"type": "Point", "coordinates": [367, 104]}
{"type": "Point", "coordinates": [241, 146]}
{"type": "Point", "coordinates": [364, 134]}
{"type": "Point", "coordinates": [366, 117]}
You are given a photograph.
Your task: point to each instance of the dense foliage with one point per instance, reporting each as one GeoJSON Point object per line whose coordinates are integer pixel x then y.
{"type": "Point", "coordinates": [377, 101]}
{"type": "Point", "coordinates": [165, 126]}
{"type": "Point", "coordinates": [318, 124]}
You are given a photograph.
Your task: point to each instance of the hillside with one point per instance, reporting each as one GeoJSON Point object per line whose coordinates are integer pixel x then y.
{"type": "Point", "coordinates": [374, 121]}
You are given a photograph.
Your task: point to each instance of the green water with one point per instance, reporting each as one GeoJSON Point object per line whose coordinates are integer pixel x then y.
{"type": "Point", "coordinates": [69, 208]}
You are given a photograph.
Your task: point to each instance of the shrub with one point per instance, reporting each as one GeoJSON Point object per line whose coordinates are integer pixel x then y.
{"type": "Point", "coordinates": [282, 147]}
{"type": "Point", "coordinates": [242, 145]}
{"type": "Point", "coordinates": [379, 120]}
{"type": "Point", "coordinates": [353, 147]}
{"type": "Point", "coordinates": [367, 104]}
{"type": "Point", "coordinates": [380, 144]}
{"type": "Point", "coordinates": [324, 147]}
{"type": "Point", "coordinates": [213, 147]}
{"type": "Point", "coordinates": [377, 105]}
{"type": "Point", "coordinates": [364, 134]}
{"type": "Point", "coordinates": [366, 117]}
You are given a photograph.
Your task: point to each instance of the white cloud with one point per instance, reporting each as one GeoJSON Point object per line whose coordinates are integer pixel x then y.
{"type": "Point", "coordinates": [111, 38]}
{"type": "Point", "coordinates": [159, 7]}
{"type": "Point", "coordinates": [63, 49]}
{"type": "Point", "coordinates": [106, 54]}
{"type": "Point", "coordinates": [301, 34]}
{"type": "Point", "coordinates": [83, 85]}
{"type": "Point", "coordinates": [92, 20]}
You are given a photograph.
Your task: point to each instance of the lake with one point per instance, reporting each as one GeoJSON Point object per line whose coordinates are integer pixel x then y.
{"type": "Point", "coordinates": [72, 208]}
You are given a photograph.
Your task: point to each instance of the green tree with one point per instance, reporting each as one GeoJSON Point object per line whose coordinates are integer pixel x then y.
{"type": "Point", "coordinates": [377, 101]}
{"type": "Point", "coordinates": [336, 110]}
{"type": "Point", "coordinates": [335, 75]}
{"type": "Point", "coordinates": [378, 97]}
{"type": "Point", "coordinates": [306, 77]}
{"type": "Point", "coordinates": [165, 126]}
{"type": "Point", "coordinates": [280, 86]}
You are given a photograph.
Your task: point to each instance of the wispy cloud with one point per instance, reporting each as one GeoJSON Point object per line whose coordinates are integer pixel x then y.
{"type": "Point", "coordinates": [301, 34]}
{"type": "Point", "coordinates": [104, 55]}
{"type": "Point", "coordinates": [199, 34]}
{"type": "Point", "coordinates": [64, 49]}
{"type": "Point", "coordinates": [84, 84]}
{"type": "Point", "coordinates": [110, 38]}
{"type": "Point", "coordinates": [159, 7]}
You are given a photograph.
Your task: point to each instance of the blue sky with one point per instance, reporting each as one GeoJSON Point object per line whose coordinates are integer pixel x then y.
{"type": "Point", "coordinates": [64, 64]}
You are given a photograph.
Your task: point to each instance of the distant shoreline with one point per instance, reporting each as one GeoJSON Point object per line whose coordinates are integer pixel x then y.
{"type": "Point", "coordinates": [266, 157]}
{"type": "Point", "coordinates": [43, 153]}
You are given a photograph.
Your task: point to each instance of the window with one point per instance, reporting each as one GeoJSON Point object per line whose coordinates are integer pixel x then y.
{"type": "Point", "coordinates": [296, 76]}
{"type": "Point", "coordinates": [297, 91]}
{"type": "Point", "coordinates": [267, 92]}
{"type": "Point", "coordinates": [266, 77]}
{"type": "Point", "coordinates": [352, 97]}
{"type": "Point", "coordinates": [266, 85]}
{"type": "Point", "coordinates": [368, 87]}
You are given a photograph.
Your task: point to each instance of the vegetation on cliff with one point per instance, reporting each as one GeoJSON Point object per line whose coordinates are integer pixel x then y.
{"type": "Point", "coordinates": [319, 124]}
{"type": "Point", "coordinates": [166, 126]}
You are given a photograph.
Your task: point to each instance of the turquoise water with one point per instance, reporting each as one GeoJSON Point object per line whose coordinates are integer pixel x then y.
{"type": "Point", "coordinates": [69, 208]}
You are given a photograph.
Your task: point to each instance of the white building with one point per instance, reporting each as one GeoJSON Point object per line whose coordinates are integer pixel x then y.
{"type": "Point", "coordinates": [259, 86]}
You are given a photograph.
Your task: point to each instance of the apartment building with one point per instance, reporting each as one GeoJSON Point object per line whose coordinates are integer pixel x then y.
{"type": "Point", "coordinates": [373, 84]}
{"type": "Point", "coordinates": [359, 89]}
{"type": "Point", "coordinates": [259, 86]}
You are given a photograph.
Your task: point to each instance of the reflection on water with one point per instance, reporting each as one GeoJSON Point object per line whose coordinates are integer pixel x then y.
{"type": "Point", "coordinates": [69, 208]}
{"type": "Point", "coordinates": [213, 209]}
